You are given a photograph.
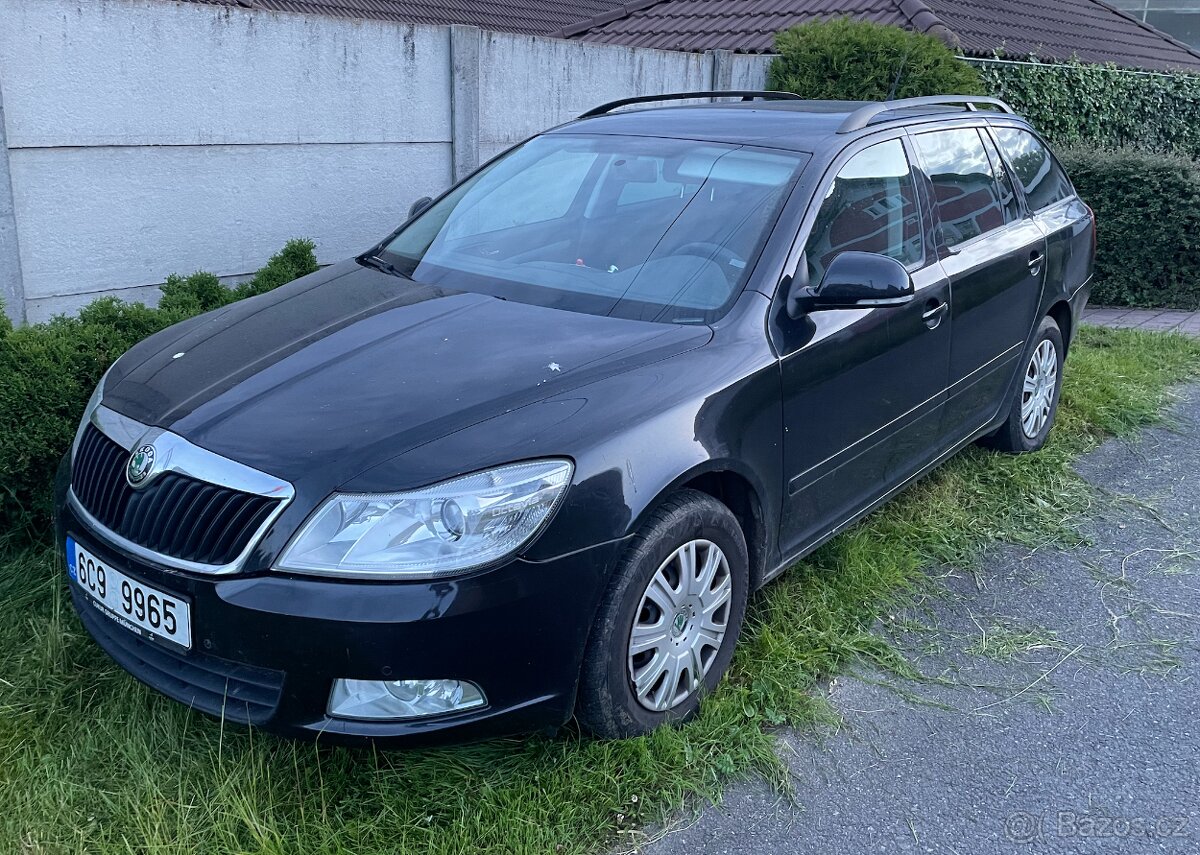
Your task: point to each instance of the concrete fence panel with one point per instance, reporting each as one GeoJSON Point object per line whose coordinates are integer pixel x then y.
{"type": "Point", "coordinates": [748, 71]}
{"type": "Point", "coordinates": [105, 219]}
{"type": "Point", "coordinates": [527, 84]}
{"type": "Point", "coordinates": [149, 72]}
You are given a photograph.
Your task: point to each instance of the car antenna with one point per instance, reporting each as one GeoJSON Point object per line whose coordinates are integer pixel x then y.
{"type": "Point", "coordinates": [899, 71]}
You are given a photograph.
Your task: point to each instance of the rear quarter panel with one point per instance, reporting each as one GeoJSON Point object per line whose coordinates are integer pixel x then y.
{"type": "Point", "coordinates": [1069, 229]}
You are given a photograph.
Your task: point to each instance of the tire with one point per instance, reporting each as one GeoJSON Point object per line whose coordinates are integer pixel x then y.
{"type": "Point", "coordinates": [1026, 429]}
{"type": "Point", "coordinates": [609, 705]}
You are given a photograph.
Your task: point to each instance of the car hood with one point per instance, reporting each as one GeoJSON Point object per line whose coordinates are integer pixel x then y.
{"type": "Point", "coordinates": [349, 367]}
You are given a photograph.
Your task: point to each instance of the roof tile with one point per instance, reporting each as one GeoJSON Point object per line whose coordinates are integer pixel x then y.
{"type": "Point", "coordinates": [1052, 30]}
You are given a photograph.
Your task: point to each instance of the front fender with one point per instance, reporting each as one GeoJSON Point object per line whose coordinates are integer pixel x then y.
{"type": "Point", "coordinates": [633, 438]}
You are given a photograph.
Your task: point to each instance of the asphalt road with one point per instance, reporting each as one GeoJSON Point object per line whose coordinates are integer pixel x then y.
{"type": "Point", "coordinates": [1065, 716]}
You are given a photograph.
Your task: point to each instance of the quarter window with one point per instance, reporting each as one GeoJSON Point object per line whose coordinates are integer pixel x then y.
{"type": "Point", "coordinates": [1043, 180]}
{"type": "Point", "coordinates": [964, 184]}
{"type": "Point", "coordinates": [870, 207]}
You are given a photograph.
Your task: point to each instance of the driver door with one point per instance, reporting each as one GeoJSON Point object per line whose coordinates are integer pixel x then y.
{"type": "Point", "coordinates": [863, 389]}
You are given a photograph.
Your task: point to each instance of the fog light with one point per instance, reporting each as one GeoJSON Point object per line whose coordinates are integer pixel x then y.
{"type": "Point", "coordinates": [401, 699]}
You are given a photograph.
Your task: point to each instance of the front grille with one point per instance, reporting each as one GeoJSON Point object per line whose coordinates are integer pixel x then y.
{"type": "Point", "coordinates": [175, 515]}
{"type": "Point", "coordinates": [219, 687]}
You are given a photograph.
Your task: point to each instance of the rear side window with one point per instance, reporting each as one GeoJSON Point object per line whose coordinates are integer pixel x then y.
{"type": "Point", "coordinates": [1043, 179]}
{"type": "Point", "coordinates": [870, 207]}
{"type": "Point", "coordinates": [965, 184]}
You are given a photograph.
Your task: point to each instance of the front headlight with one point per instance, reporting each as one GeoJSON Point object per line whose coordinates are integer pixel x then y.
{"type": "Point", "coordinates": [436, 531]}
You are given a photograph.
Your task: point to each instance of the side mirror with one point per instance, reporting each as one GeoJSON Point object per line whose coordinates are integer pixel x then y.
{"type": "Point", "coordinates": [854, 280]}
{"type": "Point", "coordinates": [419, 206]}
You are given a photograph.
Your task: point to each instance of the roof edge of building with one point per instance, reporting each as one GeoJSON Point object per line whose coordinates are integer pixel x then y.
{"type": "Point", "coordinates": [580, 27]}
{"type": "Point", "coordinates": [925, 20]}
{"type": "Point", "coordinates": [1163, 34]}
{"type": "Point", "coordinates": [921, 18]}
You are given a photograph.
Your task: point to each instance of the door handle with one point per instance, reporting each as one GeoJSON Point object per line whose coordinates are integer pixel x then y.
{"type": "Point", "coordinates": [1035, 261]}
{"type": "Point", "coordinates": [934, 310]}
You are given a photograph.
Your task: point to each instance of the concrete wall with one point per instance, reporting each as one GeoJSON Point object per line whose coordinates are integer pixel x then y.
{"type": "Point", "coordinates": [145, 137]}
{"type": "Point", "coordinates": [565, 78]}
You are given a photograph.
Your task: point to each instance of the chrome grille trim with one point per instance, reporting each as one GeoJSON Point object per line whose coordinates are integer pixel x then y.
{"type": "Point", "coordinates": [177, 455]}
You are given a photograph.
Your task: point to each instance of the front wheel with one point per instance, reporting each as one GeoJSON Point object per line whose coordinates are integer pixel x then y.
{"type": "Point", "coordinates": [1031, 413]}
{"type": "Point", "coordinates": [666, 630]}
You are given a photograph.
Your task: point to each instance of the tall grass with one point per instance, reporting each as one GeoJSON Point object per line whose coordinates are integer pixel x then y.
{"type": "Point", "coordinates": [92, 762]}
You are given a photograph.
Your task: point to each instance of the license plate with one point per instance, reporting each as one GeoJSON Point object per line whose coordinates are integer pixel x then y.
{"type": "Point", "coordinates": [140, 608]}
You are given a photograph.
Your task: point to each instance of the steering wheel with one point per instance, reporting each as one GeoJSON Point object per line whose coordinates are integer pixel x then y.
{"type": "Point", "coordinates": [722, 255]}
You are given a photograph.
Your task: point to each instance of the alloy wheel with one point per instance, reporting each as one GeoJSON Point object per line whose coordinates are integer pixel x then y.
{"type": "Point", "coordinates": [1041, 382]}
{"type": "Point", "coordinates": [680, 625]}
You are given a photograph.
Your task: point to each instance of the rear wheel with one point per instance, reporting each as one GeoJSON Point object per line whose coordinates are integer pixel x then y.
{"type": "Point", "coordinates": [667, 627]}
{"type": "Point", "coordinates": [1031, 413]}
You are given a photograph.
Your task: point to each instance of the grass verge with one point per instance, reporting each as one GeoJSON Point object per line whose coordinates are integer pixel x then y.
{"type": "Point", "coordinates": [92, 762]}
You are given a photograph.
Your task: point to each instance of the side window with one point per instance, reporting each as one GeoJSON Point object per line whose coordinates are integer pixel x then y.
{"type": "Point", "coordinates": [1008, 194]}
{"type": "Point", "coordinates": [1042, 178]}
{"type": "Point", "coordinates": [870, 207]}
{"type": "Point", "coordinates": [964, 183]}
{"type": "Point", "coordinates": [541, 192]}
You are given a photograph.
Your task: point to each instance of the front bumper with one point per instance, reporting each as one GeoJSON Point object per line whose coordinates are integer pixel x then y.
{"type": "Point", "coordinates": [266, 648]}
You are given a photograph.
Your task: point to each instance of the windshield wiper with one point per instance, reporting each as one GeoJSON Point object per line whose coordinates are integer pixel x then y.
{"type": "Point", "coordinates": [381, 265]}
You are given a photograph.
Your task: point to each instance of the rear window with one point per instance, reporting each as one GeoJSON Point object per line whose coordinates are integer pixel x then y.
{"type": "Point", "coordinates": [1042, 178]}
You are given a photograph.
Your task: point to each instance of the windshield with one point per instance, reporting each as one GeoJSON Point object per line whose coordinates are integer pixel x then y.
{"type": "Point", "coordinates": [635, 227]}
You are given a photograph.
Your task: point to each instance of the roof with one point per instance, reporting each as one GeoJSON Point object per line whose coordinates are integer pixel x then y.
{"type": "Point", "coordinates": [1051, 30]}
{"type": "Point", "coordinates": [530, 17]}
{"type": "Point", "coordinates": [795, 125]}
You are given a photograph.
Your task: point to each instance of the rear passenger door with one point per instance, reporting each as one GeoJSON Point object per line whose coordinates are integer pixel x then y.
{"type": "Point", "coordinates": [994, 257]}
{"type": "Point", "coordinates": [1051, 201]}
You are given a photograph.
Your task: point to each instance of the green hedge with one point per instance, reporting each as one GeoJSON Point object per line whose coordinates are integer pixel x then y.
{"type": "Point", "coordinates": [1101, 106]}
{"type": "Point", "coordinates": [843, 59]}
{"type": "Point", "coordinates": [48, 371]}
{"type": "Point", "coordinates": [1148, 221]}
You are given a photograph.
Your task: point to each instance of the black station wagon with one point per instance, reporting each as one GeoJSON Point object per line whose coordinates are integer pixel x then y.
{"type": "Point", "coordinates": [526, 458]}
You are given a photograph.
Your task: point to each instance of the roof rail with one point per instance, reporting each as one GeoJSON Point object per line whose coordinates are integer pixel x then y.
{"type": "Point", "coordinates": [744, 94]}
{"type": "Point", "coordinates": [862, 117]}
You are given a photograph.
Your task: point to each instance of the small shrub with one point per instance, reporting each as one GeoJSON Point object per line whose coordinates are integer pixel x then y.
{"type": "Point", "coordinates": [841, 59]}
{"type": "Point", "coordinates": [191, 295]}
{"type": "Point", "coordinates": [1148, 224]}
{"type": "Point", "coordinates": [48, 371]}
{"type": "Point", "coordinates": [296, 259]}
{"type": "Point", "coordinates": [203, 292]}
